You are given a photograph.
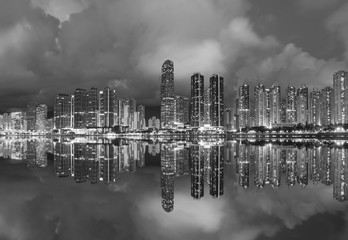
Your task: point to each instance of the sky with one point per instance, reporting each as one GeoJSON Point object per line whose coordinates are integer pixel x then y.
{"type": "Point", "coordinates": [55, 46]}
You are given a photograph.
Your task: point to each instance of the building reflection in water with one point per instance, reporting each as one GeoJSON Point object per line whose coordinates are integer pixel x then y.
{"type": "Point", "coordinates": [299, 164]}
{"type": "Point", "coordinates": [97, 162]}
{"type": "Point", "coordinates": [251, 164]}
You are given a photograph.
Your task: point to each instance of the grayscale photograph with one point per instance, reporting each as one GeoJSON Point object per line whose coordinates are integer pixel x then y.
{"type": "Point", "coordinates": [173, 119]}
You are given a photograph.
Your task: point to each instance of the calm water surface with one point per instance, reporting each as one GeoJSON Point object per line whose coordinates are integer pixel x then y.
{"type": "Point", "coordinates": [102, 189]}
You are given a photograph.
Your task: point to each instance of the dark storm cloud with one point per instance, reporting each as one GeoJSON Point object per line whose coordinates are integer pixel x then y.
{"type": "Point", "coordinates": [53, 46]}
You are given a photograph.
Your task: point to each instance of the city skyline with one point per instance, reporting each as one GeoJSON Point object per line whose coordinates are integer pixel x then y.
{"type": "Point", "coordinates": [48, 47]}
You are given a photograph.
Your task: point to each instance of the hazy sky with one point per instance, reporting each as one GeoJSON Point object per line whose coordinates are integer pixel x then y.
{"type": "Point", "coordinates": [54, 46]}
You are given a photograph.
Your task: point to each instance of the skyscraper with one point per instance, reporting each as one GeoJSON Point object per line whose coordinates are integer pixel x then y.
{"type": "Point", "coordinates": [314, 105]}
{"type": "Point", "coordinates": [197, 100]}
{"type": "Point", "coordinates": [30, 114]}
{"type": "Point", "coordinates": [326, 106]}
{"type": "Point", "coordinates": [260, 105]}
{"type": "Point", "coordinates": [275, 102]}
{"type": "Point", "coordinates": [109, 101]}
{"type": "Point", "coordinates": [181, 109]}
{"type": "Point", "coordinates": [291, 116]}
{"type": "Point", "coordinates": [141, 111]}
{"type": "Point", "coordinates": [167, 94]}
{"type": "Point", "coordinates": [62, 111]}
{"type": "Point", "coordinates": [80, 108]}
{"type": "Point", "coordinates": [207, 106]}
{"type": "Point", "coordinates": [302, 105]}
{"type": "Point", "coordinates": [92, 108]}
{"type": "Point", "coordinates": [40, 116]}
{"type": "Point", "coordinates": [243, 108]}
{"type": "Point", "coordinates": [217, 100]}
{"type": "Point", "coordinates": [340, 85]}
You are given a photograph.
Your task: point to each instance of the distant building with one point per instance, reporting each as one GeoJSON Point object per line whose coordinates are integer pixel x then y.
{"type": "Point", "coordinates": [243, 106]}
{"type": "Point", "coordinates": [41, 117]}
{"type": "Point", "coordinates": [291, 116]}
{"type": "Point", "coordinates": [217, 100]}
{"type": "Point", "coordinates": [327, 106]}
{"type": "Point", "coordinates": [63, 111]}
{"type": "Point", "coordinates": [92, 108]}
{"type": "Point", "coordinates": [260, 105]}
{"type": "Point", "coordinates": [154, 123]}
{"type": "Point", "coordinates": [229, 118]}
{"type": "Point", "coordinates": [275, 103]}
{"type": "Point", "coordinates": [141, 121]}
{"type": "Point", "coordinates": [302, 105]}
{"type": "Point", "coordinates": [340, 86]}
{"type": "Point", "coordinates": [30, 113]}
{"type": "Point", "coordinates": [167, 94]}
{"type": "Point", "coordinates": [197, 100]}
{"type": "Point", "coordinates": [80, 108]}
{"type": "Point", "coordinates": [181, 110]}
{"type": "Point", "coordinates": [314, 107]}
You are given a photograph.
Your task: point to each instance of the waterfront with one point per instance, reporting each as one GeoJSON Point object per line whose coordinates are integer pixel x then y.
{"type": "Point", "coordinates": [102, 188]}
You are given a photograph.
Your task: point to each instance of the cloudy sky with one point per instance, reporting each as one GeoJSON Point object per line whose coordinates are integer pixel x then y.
{"type": "Point", "coordinates": [54, 46]}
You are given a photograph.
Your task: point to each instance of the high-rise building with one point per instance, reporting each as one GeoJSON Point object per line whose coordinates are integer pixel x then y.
{"type": "Point", "coordinates": [30, 113]}
{"type": "Point", "coordinates": [154, 123]}
{"type": "Point", "coordinates": [217, 100]}
{"type": "Point", "coordinates": [340, 85]}
{"type": "Point", "coordinates": [314, 107]}
{"type": "Point", "coordinates": [302, 105]}
{"type": "Point", "coordinates": [283, 111]}
{"type": "Point", "coordinates": [197, 100]}
{"type": "Point", "coordinates": [207, 106]}
{"type": "Point", "coordinates": [243, 106]}
{"type": "Point", "coordinates": [41, 117]}
{"type": "Point", "coordinates": [108, 107]}
{"type": "Point", "coordinates": [167, 94]}
{"type": "Point", "coordinates": [92, 108]}
{"type": "Point", "coordinates": [229, 118]}
{"type": "Point", "coordinates": [62, 111]}
{"type": "Point", "coordinates": [291, 116]}
{"type": "Point", "coordinates": [275, 102]}
{"type": "Point", "coordinates": [141, 120]}
{"type": "Point", "coordinates": [80, 108]}
{"type": "Point", "coordinates": [260, 105]}
{"type": "Point", "coordinates": [181, 109]}
{"type": "Point", "coordinates": [327, 106]}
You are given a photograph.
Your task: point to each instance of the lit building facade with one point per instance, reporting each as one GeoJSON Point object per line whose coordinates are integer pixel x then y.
{"type": "Point", "coordinates": [63, 111]}
{"type": "Point", "coordinates": [340, 86]}
{"type": "Point", "coordinates": [197, 100]}
{"type": "Point", "coordinates": [167, 94]}
{"type": "Point", "coordinates": [291, 116]}
{"type": "Point", "coordinates": [243, 106]}
{"type": "Point", "coordinates": [41, 117]}
{"type": "Point", "coordinates": [216, 87]}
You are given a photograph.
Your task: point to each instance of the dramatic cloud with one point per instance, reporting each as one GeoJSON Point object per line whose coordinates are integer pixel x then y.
{"type": "Point", "coordinates": [338, 24]}
{"type": "Point", "coordinates": [317, 4]}
{"type": "Point", "coordinates": [54, 46]}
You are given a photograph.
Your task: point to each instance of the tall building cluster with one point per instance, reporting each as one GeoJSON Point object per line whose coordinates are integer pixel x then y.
{"type": "Point", "coordinates": [33, 119]}
{"type": "Point", "coordinates": [298, 106]}
{"type": "Point", "coordinates": [204, 108]}
{"type": "Point", "coordinates": [91, 109]}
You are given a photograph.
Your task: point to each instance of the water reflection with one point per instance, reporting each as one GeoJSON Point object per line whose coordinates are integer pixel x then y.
{"type": "Point", "coordinates": [255, 166]}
